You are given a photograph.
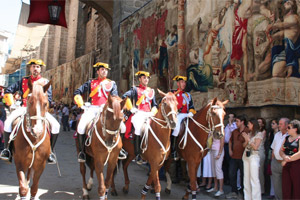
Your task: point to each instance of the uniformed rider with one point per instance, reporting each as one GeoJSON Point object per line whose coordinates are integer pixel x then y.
{"type": "Point", "coordinates": [185, 109]}
{"type": "Point", "coordinates": [99, 90]}
{"type": "Point", "coordinates": [35, 67]}
{"type": "Point", "coordinates": [145, 107]}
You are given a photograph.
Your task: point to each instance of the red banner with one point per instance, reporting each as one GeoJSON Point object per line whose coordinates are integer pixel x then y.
{"type": "Point", "coordinates": [39, 12]}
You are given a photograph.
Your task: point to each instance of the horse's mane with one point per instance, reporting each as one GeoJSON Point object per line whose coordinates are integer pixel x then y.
{"type": "Point", "coordinates": [37, 89]}
{"type": "Point", "coordinates": [170, 98]}
{"type": "Point", "coordinates": [116, 106]}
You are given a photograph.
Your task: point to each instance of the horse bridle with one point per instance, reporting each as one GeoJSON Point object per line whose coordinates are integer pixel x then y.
{"type": "Point", "coordinates": [211, 125]}
{"type": "Point", "coordinates": [103, 121]}
{"type": "Point", "coordinates": [28, 121]}
{"type": "Point", "coordinates": [166, 115]}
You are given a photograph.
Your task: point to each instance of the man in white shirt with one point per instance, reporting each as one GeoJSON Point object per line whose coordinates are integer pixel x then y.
{"type": "Point", "coordinates": [276, 158]}
{"type": "Point", "coordinates": [65, 118]}
{"type": "Point", "coordinates": [228, 130]}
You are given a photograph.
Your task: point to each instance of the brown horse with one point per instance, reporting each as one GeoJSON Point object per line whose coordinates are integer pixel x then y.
{"type": "Point", "coordinates": [155, 143]}
{"type": "Point", "coordinates": [32, 143]}
{"type": "Point", "coordinates": [103, 146]}
{"type": "Point", "coordinates": [192, 142]}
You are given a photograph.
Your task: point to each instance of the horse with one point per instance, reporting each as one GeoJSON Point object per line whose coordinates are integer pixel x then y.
{"type": "Point", "coordinates": [103, 145]}
{"type": "Point", "coordinates": [31, 143]}
{"type": "Point", "coordinates": [155, 144]}
{"type": "Point", "coordinates": [192, 141]}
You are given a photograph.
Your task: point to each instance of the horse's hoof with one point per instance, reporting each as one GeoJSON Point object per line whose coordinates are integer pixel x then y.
{"type": "Point", "coordinates": [152, 191]}
{"type": "Point", "coordinates": [114, 193]}
{"type": "Point", "coordinates": [125, 191]}
{"type": "Point", "coordinates": [89, 189]}
{"type": "Point", "coordinates": [86, 197]}
{"type": "Point", "coordinates": [167, 191]}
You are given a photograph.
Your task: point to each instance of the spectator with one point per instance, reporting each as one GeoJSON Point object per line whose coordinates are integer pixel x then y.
{"type": "Point", "coordinates": [207, 172]}
{"type": "Point", "coordinates": [65, 118]}
{"type": "Point", "coordinates": [236, 150]}
{"type": "Point", "coordinates": [253, 139]}
{"type": "Point", "coordinates": [217, 156]}
{"type": "Point", "coordinates": [262, 154]}
{"type": "Point", "coordinates": [269, 139]}
{"type": "Point", "coordinates": [291, 153]}
{"type": "Point", "coordinates": [231, 126]}
{"type": "Point", "coordinates": [276, 158]}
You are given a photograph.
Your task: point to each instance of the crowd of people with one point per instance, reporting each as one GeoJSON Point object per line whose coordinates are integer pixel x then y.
{"type": "Point", "coordinates": [254, 160]}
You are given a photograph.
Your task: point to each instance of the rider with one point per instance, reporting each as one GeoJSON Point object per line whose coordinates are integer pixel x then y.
{"type": "Point", "coordinates": [185, 109]}
{"type": "Point", "coordinates": [144, 98]}
{"type": "Point", "coordinates": [99, 90]}
{"type": "Point", "coordinates": [35, 66]}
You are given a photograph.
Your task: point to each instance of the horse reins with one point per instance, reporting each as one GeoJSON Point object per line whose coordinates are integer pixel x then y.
{"type": "Point", "coordinates": [209, 130]}
{"type": "Point", "coordinates": [145, 135]}
{"type": "Point", "coordinates": [104, 130]}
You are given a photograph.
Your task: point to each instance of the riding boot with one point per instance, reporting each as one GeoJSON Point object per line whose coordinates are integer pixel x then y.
{"type": "Point", "coordinates": [52, 157]}
{"type": "Point", "coordinates": [5, 153]}
{"type": "Point", "coordinates": [137, 149]}
{"type": "Point", "coordinates": [173, 148]}
{"type": "Point", "coordinates": [81, 154]}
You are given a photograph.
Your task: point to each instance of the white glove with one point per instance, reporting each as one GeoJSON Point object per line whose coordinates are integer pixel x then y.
{"type": "Point", "coordinates": [190, 114]}
{"type": "Point", "coordinates": [134, 110]}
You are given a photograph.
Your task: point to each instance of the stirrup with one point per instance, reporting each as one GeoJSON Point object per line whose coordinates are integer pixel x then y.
{"type": "Point", "coordinates": [122, 155]}
{"type": "Point", "coordinates": [139, 160]}
{"type": "Point", "coordinates": [81, 157]}
{"type": "Point", "coordinates": [6, 155]}
{"type": "Point", "coordinates": [52, 159]}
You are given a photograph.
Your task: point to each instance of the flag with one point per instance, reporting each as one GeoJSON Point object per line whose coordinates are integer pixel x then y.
{"type": "Point", "coordinates": [39, 12]}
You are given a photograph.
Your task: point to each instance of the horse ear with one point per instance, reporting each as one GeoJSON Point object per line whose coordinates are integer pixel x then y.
{"type": "Point", "coordinates": [46, 87]}
{"type": "Point", "coordinates": [162, 94]}
{"type": "Point", "coordinates": [123, 102]}
{"type": "Point", "coordinates": [225, 102]}
{"type": "Point", "coordinates": [214, 101]}
{"type": "Point", "coordinates": [29, 84]}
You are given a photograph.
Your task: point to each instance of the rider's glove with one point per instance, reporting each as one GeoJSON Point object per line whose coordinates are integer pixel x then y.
{"type": "Point", "coordinates": [9, 99]}
{"type": "Point", "coordinates": [190, 114]}
{"type": "Point", "coordinates": [133, 110]}
{"type": "Point", "coordinates": [78, 100]}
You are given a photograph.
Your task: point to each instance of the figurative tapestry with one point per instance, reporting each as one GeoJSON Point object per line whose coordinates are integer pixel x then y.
{"type": "Point", "coordinates": [148, 41]}
{"type": "Point", "coordinates": [231, 46]}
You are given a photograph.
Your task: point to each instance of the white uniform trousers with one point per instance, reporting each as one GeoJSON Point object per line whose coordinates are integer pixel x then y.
{"type": "Point", "coordinates": [55, 126]}
{"type": "Point", "coordinates": [251, 176]}
{"type": "Point", "coordinates": [180, 117]}
{"type": "Point", "coordinates": [138, 119]}
{"type": "Point", "coordinates": [88, 115]}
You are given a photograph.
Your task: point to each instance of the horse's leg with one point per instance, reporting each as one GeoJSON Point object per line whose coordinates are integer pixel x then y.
{"type": "Point", "coordinates": [167, 166]}
{"type": "Point", "coordinates": [193, 180]}
{"type": "Point", "coordinates": [23, 186]}
{"type": "Point", "coordinates": [125, 171]}
{"type": "Point", "coordinates": [147, 186]}
{"type": "Point", "coordinates": [92, 169]}
{"type": "Point", "coordinates": [99, 171]}
{"type": "Point", "coordinates": [113, 186]}
{"type": "Point", "coordinates": [156, 184]}
{"type": "Point", "coordinates": [28, 176]}
{"type": "Point", "coordinates": [109, 175]}
{"type": "Point", "coordinates": [35, 180]}
{"type": "Point", "coordinates": [85, 193]}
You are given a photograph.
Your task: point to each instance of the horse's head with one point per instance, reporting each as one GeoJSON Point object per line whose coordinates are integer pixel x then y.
{"type": "Point", "coordinates": [112, 117]}
{"type": "Point", "coordinates": [217, 113]}
{"type": "Point", "coordinates": [37, 106]}
{"type": "Point", "coordinates": [168, 108]}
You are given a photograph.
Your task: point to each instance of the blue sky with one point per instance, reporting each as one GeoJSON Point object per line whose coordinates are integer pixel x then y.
{"type": "Point", "coordinates": [9, 14]}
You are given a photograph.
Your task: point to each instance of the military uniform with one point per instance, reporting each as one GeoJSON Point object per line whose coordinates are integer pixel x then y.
{"type": "Point", "coordinates": [144, 98]}
{"type": "Point", "coordinates": [99, 90]}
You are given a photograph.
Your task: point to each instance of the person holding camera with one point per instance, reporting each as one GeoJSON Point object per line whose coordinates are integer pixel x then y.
{"type": "Point", "coordinates": [252, 189]}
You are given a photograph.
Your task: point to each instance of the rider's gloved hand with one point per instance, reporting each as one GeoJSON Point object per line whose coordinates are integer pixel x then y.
{"type": "Point", "coordinates": [133, 110]}
{"type": "Point", "coordinates": [190, 114]}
